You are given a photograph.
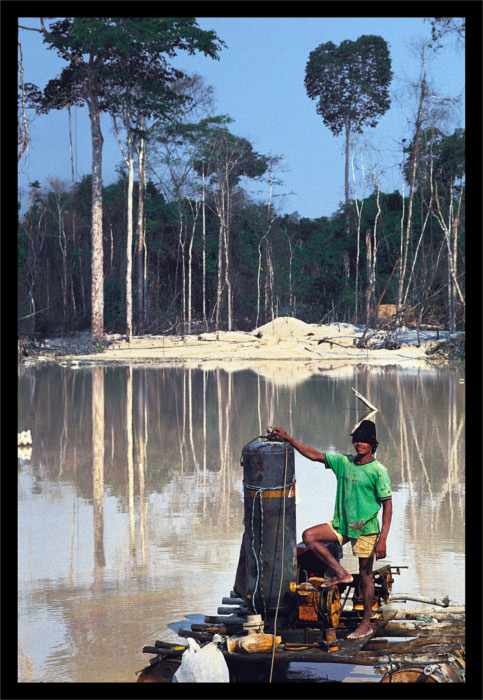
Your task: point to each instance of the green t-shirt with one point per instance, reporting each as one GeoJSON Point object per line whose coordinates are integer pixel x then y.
{"type": "Point", "coordinates": [360, 490]}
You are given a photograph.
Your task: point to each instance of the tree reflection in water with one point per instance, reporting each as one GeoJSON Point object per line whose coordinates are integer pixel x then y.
{"type": "Point", "coordinates": [143, 502]}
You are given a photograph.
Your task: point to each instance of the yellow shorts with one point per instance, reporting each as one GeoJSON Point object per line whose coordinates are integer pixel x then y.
{"type": "Point", "coordinates": [362, 547]}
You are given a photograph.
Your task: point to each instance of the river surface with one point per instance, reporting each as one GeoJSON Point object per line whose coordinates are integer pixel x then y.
{"type": "Point", "coordinates": [130, 500]}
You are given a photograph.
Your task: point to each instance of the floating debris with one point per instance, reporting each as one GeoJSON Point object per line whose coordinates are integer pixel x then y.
{"type": "Point", "coordinates": [24, 438]}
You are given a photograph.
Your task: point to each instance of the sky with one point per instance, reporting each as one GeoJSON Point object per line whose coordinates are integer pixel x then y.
{"type": "Point", "coordinates": [259, 83]}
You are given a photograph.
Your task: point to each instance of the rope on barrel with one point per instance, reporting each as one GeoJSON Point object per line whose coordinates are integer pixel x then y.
{"type": "Point", "coordinates": [259, 493]}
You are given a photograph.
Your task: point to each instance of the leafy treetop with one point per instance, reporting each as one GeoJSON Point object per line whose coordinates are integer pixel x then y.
{"type": "Point", "coordinates": [350, 82]}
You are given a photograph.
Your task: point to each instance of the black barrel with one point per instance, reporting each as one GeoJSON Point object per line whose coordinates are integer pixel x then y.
{"type": "Point", "coordinates": [269, 489]}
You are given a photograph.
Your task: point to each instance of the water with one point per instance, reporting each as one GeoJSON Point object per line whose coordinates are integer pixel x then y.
{"type": "Point", "coordinates": [131, 504]}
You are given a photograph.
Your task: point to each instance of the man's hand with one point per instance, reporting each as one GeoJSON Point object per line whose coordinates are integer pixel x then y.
{"type": "Point", "coordinates": [380, 549]}
{"type": "Point", "coordinates": [278, 432]}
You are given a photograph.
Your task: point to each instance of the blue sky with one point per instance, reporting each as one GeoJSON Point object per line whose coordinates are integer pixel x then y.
{"type": "Point", "coordinates": [259, 82]}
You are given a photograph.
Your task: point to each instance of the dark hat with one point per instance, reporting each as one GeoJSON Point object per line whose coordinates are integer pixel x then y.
{"type": "Point", "coordinates": [366, 432]}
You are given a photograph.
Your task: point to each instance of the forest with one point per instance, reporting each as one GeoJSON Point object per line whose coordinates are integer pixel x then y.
{"type": "Point", "coordinates": [178, 245]}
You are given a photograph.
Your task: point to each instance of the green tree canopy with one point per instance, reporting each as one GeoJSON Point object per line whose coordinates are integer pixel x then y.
{"type": "Point", "coordinates": [351, 85]}
{"type": "Point", "coordinates": [350, 82]}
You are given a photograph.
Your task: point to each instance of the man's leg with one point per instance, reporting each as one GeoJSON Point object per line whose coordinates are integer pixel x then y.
{"type": "Point", "coordinates": [313, 538]}
{"type": "Point", "coordinates": [365, 569]}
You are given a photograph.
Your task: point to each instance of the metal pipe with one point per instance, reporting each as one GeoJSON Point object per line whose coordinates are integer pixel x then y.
{"type": "Point", "coordinates": [227, 610]}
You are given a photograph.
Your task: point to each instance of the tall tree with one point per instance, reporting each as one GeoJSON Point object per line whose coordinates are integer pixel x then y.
{"type": "Point", "coordinates": [448, 187]}
{"type": "Point", "coordinates": [173, 148]}
{"type": "Point", "coordinates": [135, 108]}
{"type": "Point", "coordinates": [350, 83]}
{"type": "Point", "coordinates": [132, 54]}
{"type": "Point", "coordinates": [406, 230]}
{"type": "Point", "coordinates": [23, 137]}
{"type": "Point", "coordinates": [225, 159]}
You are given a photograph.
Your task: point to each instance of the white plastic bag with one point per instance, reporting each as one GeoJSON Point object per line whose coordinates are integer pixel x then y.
{"type": "Point", "coordinates": [184, 673]}
{"type": "Point", "coordinates": [202, 664]}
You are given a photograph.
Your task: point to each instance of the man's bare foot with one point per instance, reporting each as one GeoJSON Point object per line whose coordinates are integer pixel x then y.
{"type": "Point", "coordinates": [337, 579]}
{"type": "Point", "coordinates": [360, 632]}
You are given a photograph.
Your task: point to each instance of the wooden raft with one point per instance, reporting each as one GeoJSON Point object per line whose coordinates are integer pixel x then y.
{"type": "Point", "coordinates": [432, 651]}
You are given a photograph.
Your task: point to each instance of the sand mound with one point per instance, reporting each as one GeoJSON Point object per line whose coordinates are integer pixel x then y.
{"type": "Point", "coordinates": [284, 327]}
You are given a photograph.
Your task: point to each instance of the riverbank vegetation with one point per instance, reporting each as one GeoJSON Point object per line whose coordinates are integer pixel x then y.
{"type": "Point", "coordinates": [185, 247]}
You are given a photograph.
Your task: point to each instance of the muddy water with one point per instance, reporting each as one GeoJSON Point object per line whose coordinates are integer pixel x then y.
{"type": "Point", "coordinates": [131, 504]}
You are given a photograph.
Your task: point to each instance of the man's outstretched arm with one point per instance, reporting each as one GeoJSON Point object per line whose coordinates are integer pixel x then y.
{"type": "Point", "coordinates": [305, 450]}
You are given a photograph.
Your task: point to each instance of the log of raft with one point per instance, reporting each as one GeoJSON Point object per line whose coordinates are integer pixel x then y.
{"type": "Point", "coordinates": [158, 651]}
{"type": "Point", "coordinates": [446, 627]}
{"type": "Point", "coordinates": [456, 613]}
{"type": "Point", "coordinates": [408, 647]}
{"type": "Point", "coordinates": [432, 637]}
{"type": "Point", "coordinates": [381, 645]}
{"type": "Point", "coordinates": [199, 636]}
{"type": "Point", "coordinates": [311, 655]}
{"type": "Point", "coordinates": [169, 645]}
{"type": "Point", "coordinates": [444, 602]}
{"type": "Point", "coordinates": [214, 629]}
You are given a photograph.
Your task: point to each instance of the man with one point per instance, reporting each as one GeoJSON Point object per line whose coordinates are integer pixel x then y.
{"type": "Point", "coordinates": [363, 485]}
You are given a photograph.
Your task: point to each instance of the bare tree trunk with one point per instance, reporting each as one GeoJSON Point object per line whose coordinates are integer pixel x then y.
{"type": "Point", "coordinates": [97, 282]}
{"type": "Point", "coordinates": [72, 286]}
{"type": "Point", "coordinates": [347, 197]}
{"type": "Point", "coordinates": [407, 233]}
{"type": "Point", "coordinates": [258, 276]}
{"type": "Point", "coordinates": [140, 232]}
{"type": "Point", "coordinates": [290, 292]}
{"type": "Point", "coordinates": [265, 317]}
{"type": "Point", "coordinates": [450, 231]}
{"type": "Point", "coordinates": [218, 284]}
{"type": "Point", "coordinates": [226, 234]}
{"type": "Point", "coordinates": [359, 218]}
{"type": "Point", "coordinates": [130, 187]}
{"type": "Point", "coordinates": [346, 178]}
{"type": "Point", "coordinates": [226, 239]}
{"type": "Point", "coordinates": [455, 253]}
{"type": "Point", "coordinates": [369, 289]}
{"type": "Point", "coordinates": [269, 289]}
{"type": "Point", "coordinates": [70, 146]}
{"type": "Point", "coordinates": [204, 254]}
{"type": "Point", "coordinates": [182, 243]}
{"type": "Point", "coordinates": [129, 160]}
{"type": "Point", "coordinates": [374, 251]}
{"type": "Point", "coordinates": [190, 275]}
{"type": "Point", "coordinates": [63, 247]}
{"type": "Point", "coordinates": [22, 125]}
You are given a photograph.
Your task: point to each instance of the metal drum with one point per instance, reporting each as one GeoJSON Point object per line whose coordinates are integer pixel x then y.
{"type": "Point", "coordinates": [269, 543]}
{"type": "Point", "coordinates": [432, 673]}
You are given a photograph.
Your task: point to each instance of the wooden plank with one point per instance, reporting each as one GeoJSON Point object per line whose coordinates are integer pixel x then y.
{"type": "Point", "coordinates": [446, 637]}
{"type": "Point", "coordinates": [374, 645]}
{"type": "Point", "coordinates": [414, 647]}
{"type": "Point", "coordinates": [305, 655]}
{"type": "Point", "coordinates": [338, 657]}
{"type": "Point", "coordinates": [454, 613]}
{"type": "Point", "coordinates": [412, 659]}
{"type": "Point", "coordinates": [444, 627]}
{"type": "Point", "coordinates": [394, 598]}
